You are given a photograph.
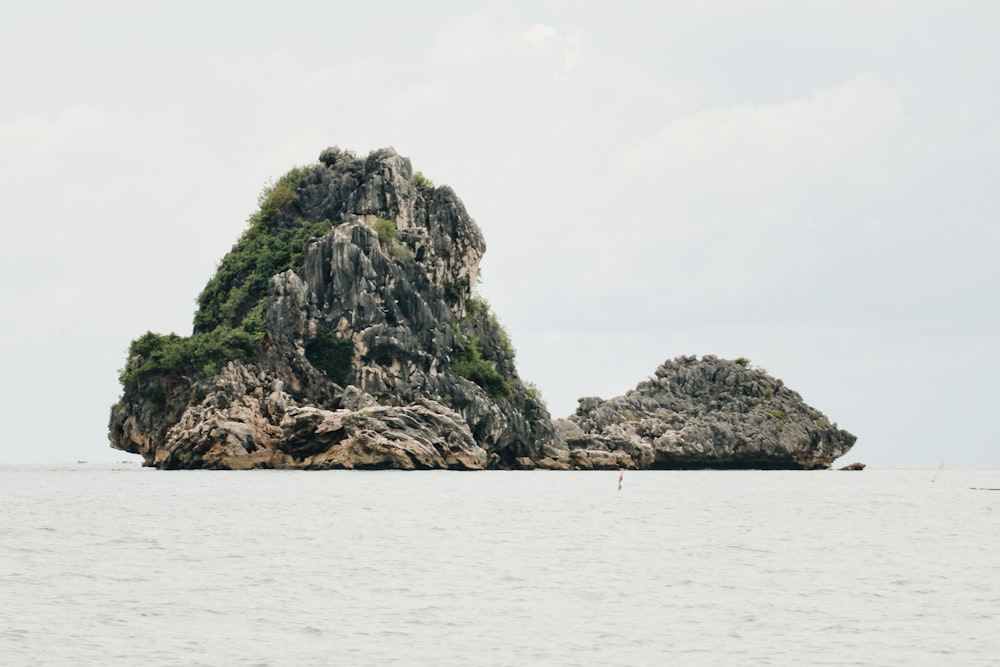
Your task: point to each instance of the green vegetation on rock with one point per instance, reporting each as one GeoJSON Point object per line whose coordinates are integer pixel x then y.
{"type": "Point", "coordinates": [422, 181]}
{"type": "Point", "coordinates": [532, 393]}
{"type": "Point", "coordinates": [388, 236]}
{"type": "Point", "coordinates": [202, 354]}
{"type": "Point", "coordinates": [483, 372]}
{"type": "Point", "coordinates": [476, 305]}
{"type": "Point", "coordinates": [229, 323]}
{"type": "Point", "coordinates": [333, 355]}
{"type": "Point", "coordinates": [454, 291]}
{"type": "Point", "coordinates": [387, 231]}
{"type": "Point", "coordinates": [240, 283]}
{"type": "Point", "coordinates": [471, 365]}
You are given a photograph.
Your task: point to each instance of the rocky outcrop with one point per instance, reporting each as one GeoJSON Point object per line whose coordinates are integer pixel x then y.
{"type": "Point", "coordinates": [704, 413]}
{"type": "Point", "coordinates": [342, 331]}
{"type": "Point", "coordinates": [244, 423]}
{"type": "Point", "coordinates": [374, 352]}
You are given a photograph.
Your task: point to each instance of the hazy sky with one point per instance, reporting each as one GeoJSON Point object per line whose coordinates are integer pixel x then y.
{"type": "Point", "coordinates": [811, 185]}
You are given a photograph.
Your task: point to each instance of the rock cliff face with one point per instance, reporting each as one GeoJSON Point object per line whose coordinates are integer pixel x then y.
{"type": "Point", "coordinates": [342, 332]}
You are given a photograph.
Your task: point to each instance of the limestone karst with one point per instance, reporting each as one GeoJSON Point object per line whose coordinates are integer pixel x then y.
{"type": "Point", "coordinates": [342, 331]}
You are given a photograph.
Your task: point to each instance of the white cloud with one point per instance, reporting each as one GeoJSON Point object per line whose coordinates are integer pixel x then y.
{"type": "Point", "coordinates": [745, 150]}
{"type": "Point", "coordinates": [32, 133]}
{"type": "Point", "coordinates": [703, 11]}
{"type": "Point", "coordinates": [109, 213]}
{"type": "Point", "coordinates": [675, 10]}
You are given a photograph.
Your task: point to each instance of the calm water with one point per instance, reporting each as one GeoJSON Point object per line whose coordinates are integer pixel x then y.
{"type": "Point", "coordinates": [119, 565]}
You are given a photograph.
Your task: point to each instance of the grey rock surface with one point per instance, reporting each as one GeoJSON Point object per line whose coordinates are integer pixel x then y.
{"type": "Point", "coordinates": [706, 413]}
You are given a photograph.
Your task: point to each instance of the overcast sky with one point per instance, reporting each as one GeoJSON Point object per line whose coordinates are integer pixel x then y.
{"type": "Point", "coordinates": [812, 185]}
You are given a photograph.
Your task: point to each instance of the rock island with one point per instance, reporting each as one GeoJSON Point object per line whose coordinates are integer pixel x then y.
{"type": "Point", "coordinates": [342, 331]}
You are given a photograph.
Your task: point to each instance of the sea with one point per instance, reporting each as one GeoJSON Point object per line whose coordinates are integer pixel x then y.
{"type": "Point", "coordinates": [122, 565]}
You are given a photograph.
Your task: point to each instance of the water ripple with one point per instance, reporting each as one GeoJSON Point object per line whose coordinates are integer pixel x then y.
{"type": "Point", "coordinates": [123, 566]}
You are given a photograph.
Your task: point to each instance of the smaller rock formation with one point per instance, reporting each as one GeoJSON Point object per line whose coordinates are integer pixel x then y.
{"type": "Point", "coordinates": [857, 465]}
{"type": "Point", "coordinates": [707, 413]}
